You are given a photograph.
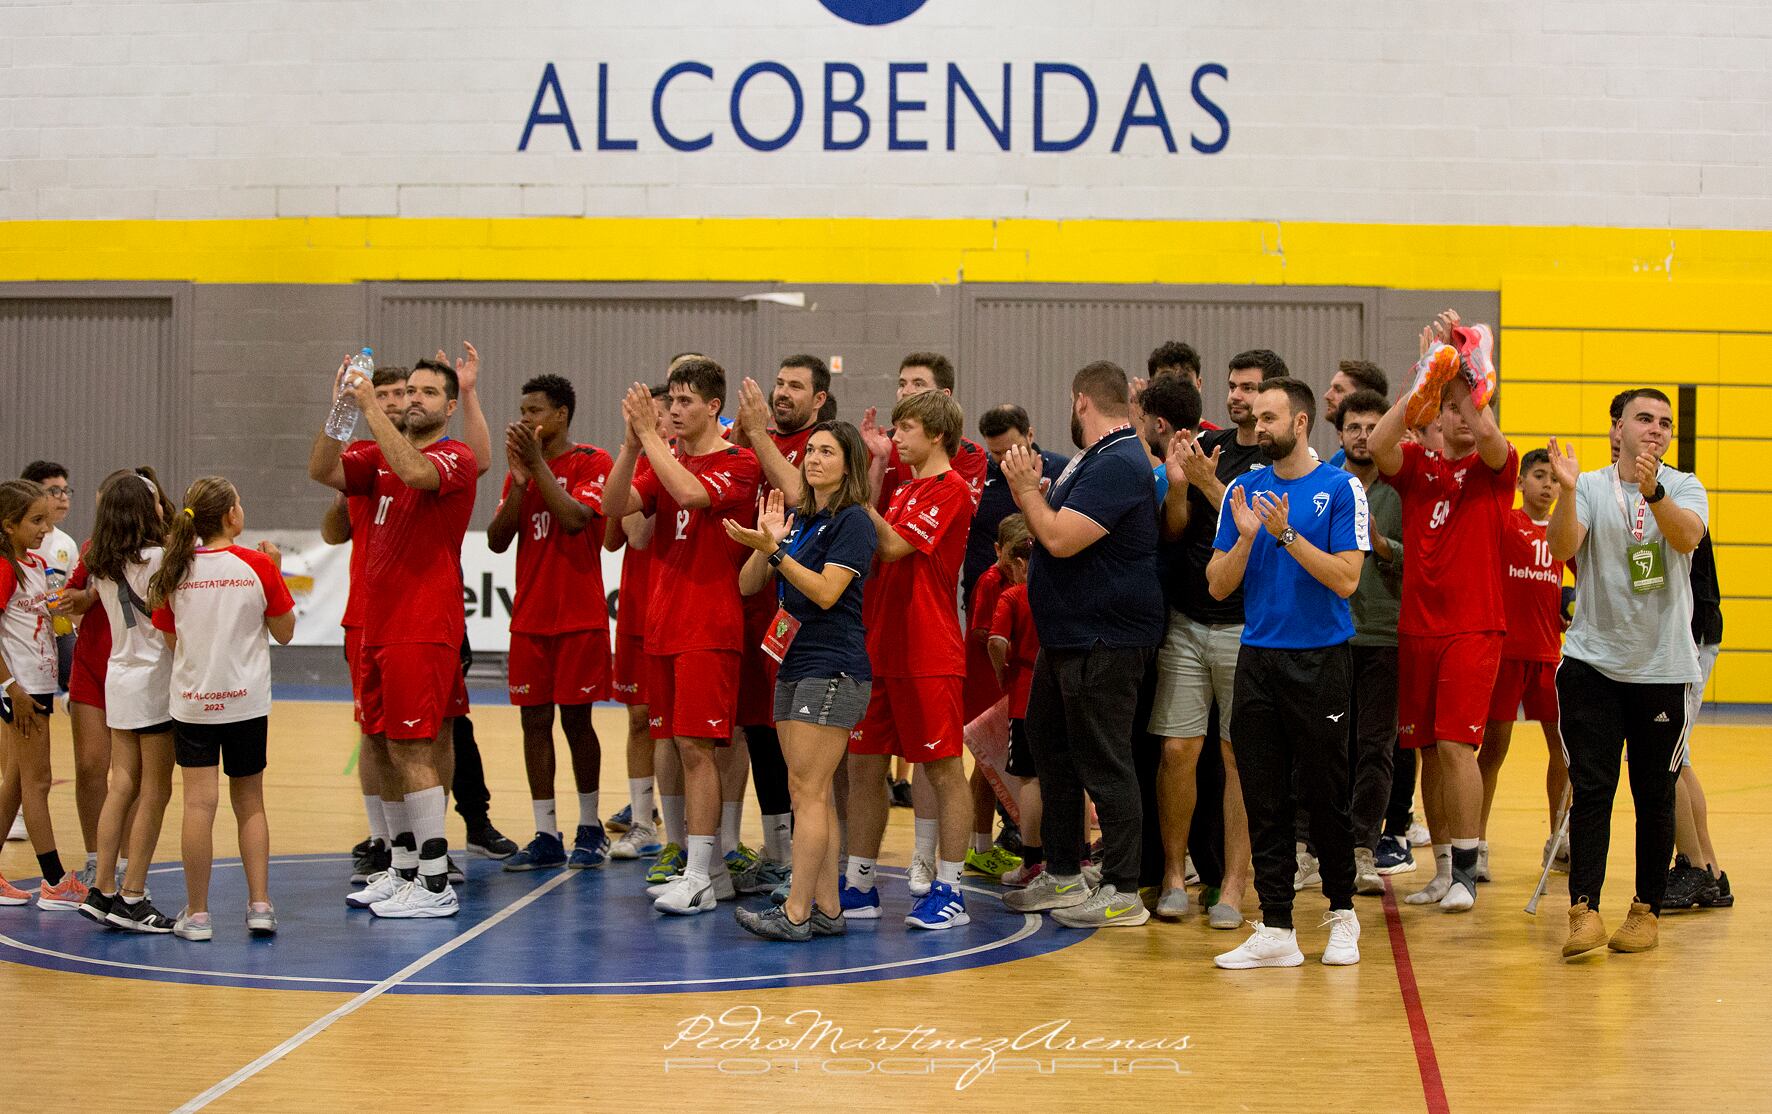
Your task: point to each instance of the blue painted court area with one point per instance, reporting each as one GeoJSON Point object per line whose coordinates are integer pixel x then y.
{"type": "Point", "coordinates": [554, 932]}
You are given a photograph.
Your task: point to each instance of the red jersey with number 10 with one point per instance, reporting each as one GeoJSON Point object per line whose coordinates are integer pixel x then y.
{"type": "Point", "coordinates": [560, 575]}
{"type": "Point", "coordinates": [695, 601]}
{"type": "Point", "coordinates": [412, 570]}
{"type": "Point", "coordinates": [1454, 512]}
{"type": "Point", "coordinates": [912, 604]}
{"type": "Point", "coordinates": [1534, 591]}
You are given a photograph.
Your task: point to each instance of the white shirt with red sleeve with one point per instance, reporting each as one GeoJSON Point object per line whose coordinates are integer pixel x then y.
{"type": "Point", "coordinates": [139, 670]}
{"type": "Point", "coordinates": [221, 666]}
{"type": "Point", "coordinates": [27, 641]}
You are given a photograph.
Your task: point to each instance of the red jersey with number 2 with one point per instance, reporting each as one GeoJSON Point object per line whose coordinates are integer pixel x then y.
{"type": "Point", "coordinates": [1454, 512]}
{"type": "Point", "coordinates": [912, 604]}
{"type": "Point", "coordinates": [412, 570]}
{"type": "Point", "coordinates": [1534, 592]}
{"type": "Point", "coordinates": [695, 600]}
{"type": "Point", "coordinates": [560, 575]}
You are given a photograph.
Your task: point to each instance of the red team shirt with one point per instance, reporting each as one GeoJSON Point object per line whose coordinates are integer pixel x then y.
{"type": "Point", "coordinates": [412, 567]}
{"type": "Point", "coordinates": [693, 559]}
{"type": "Point", "coordinates": [360, 509]}
{"type": "Point", "coordinates": [1454, 512]}
{"type": "Point", "coordinates": [1534, 592]}
{"type": "Point", "coordinates": [970, 463]}
{"type": "Point", "coordinates": [636, 593]}
{"type": "Point", "coordinates": [560, 575]}
{"type": "Point", "coordinates": [913, 620]}
{"type": "Point", "coordinates": [982, 689]}
{"type": "Point", "coordinates": [1014, 621]}
{"type": "Point", "coordinates": [92, 648]}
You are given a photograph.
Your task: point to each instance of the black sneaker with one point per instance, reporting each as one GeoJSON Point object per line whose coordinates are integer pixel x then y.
{"type": "Point", "coordinates": [1717, 895]}
{"type": "Point", "coordinates": [901, 794]}
{"type": "Point", "coordinates": [1684, 883]}
{"type": "Point", "coordinates": [97, 907]}
{"type": "Point", "coordinates": [1009, 838]}
{"type": "Point", "coordinates": [488, 842]}
{"type": "Point", "coordinates": [363, 860]}
{"type": "Point", "coordinates": [139, 917]}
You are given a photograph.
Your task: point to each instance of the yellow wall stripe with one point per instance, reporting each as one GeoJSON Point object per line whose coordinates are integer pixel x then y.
{"type": "Point", "coordinates": [354, 249]}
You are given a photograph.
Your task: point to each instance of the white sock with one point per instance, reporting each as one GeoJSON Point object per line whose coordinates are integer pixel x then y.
{"type": "Point", "coordinates": [778, 836]}
{"type": "Point", "coordinates": [731, 816]}
{"type": "Point", "coordinates": [1466, 844]}
{"type": "Point", "coordinates": [860, 874]}
{"type": "Point", "coordinates": [701, 858]}
{"type": "Point", "coordinates": [671, 810]}
{"type": "Point", "coordinates": [92, 860]}
{"type": "Point", "coordinates": [399, 820]}
{"type": "Point", "coordinates": [587, 808]}
{"type": "Point", "coordinates": [547, 821]}
{"type": "Point", "coordinates": [378, 819]}
{"type": "Point", "coordinates": [640, 796]}
{"type": "Point", "coordinates": [928, 835]}
{"type": "Point", "coordinates": [428, 810]}
{"type": "Point", "coordinates": [1442, 862]}
{"type": "Point", "coordinates": [948, 872]}
{"type": "Point", "coordinates": [981, 842]}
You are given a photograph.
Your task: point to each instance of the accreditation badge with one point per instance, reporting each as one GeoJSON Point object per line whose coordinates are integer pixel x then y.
{"type": "Point", "coordinates": [1648, 567]}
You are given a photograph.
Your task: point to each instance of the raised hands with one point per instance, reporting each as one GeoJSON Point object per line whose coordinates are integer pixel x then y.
{"type": "Point", "coordinates": [1199, 468]}
{"type": "Point", "coordinates": [637, 411]}
{"type": "Point", "coordinates": [773, 523]}
{"type": "Point", "coordinates": [878, 441]}
{"type": "Point", "coordinates": [1565, 468]}
{"type": "Point", "coordinates": [1273, 511]}
{"type": "Point", "coordinates": [1248, 520]}
{"type": "Point", "coordinates": [467, 371]}
{"type": "Point", "coordinates": [1021, 469]}
{"type": "Point", "coordinates": [523, 452]}
{"type": "Point", "coordinates": [752, 421]}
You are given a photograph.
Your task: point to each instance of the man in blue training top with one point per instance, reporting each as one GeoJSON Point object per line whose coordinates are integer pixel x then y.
{"type": "Point", "coordinates": [1296, 534]}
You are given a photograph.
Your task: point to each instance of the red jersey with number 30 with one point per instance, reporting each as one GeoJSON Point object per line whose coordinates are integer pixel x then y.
{"type": "Point", "coordinates": [695, 600]}
{"type": "Point", "coordinates": [911, 609]}
{"type": "Point", "coordinates": [560, 575]}
{"type": "Point", "coordinates": [1534, 592]}
{"type": "Point", "coordinates": [412, 571]}
{"type": "Point", "coordinates": [1453, 515]}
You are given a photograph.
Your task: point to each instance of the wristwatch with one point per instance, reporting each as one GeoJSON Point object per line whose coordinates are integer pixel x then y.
{"type": "Point", "coordinates": [1287, 537]}
{"type": "Point", "coordinates": [775, 558]}
{"type": "Point", "coordinates": [1659, 494]}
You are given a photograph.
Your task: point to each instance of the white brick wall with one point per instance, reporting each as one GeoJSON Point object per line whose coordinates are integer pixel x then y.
{"type": "Point", "coordinates": [1507, 111]}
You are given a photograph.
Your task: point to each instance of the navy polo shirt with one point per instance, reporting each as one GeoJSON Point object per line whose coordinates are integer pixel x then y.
{"type": "Point", "coordinates": [995, 503]}
{"type": "Point", "coordinates": [831, 640]}
{"type": "Point", "coordinates": [1108, 594]}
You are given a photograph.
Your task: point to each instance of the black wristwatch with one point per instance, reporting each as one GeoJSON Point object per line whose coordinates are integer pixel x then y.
{"type": "Point", "coordinates": [775, 558]}
{"type": "Point", "coordinates": [1659, 494]}
{"type": "Point", "coordinates": [1287, 537]}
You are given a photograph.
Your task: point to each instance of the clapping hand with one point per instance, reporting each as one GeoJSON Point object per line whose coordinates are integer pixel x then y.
{"type": "Point", "coordinates": [1248, 520]}
{"type": "Point", "coordinates": [638, 412]}
{"type": "Point", "coordinates": [1021, 468]}
{"type": "Point", "coordinates": [1564, 467]}
{"type": "Point", "coordinates": [522, 452]}
{"type": "Point", "coordinates": [752, 421]}
{"type": "Point", "coordinates": [878, 441]}
{"type": "Point", "coordinates": [773, 524]}
{"type": "Point", "coordinates": [1199, 468]}
{"type": "Point", "coordinates": [1273, 511]}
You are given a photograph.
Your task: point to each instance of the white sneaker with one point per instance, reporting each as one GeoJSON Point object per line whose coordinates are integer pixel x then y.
{"type": "Point", "coordinates": [724, 888]}
{"type": "Point", "coordinates": [1106, 908]}
{"type": "Point", "coordinates": [1419, 836]}
{"type": "Point", "coordinates": [637, 842]}
{"type": "Point", "coordinates": [1189, 876]}
{"type": "Point", "coordinates": [657, 889]}
{"type": "Point", "coordinates": [188, 927]}
{"type": "Point", "coordinates": [1266, 947]}
{"type": "Point", "coordinates": [922, 873]}
{"type": "Point", "coordinates": [1458, 899]}
{"type": "Point", "coordinates": [380, 887]}
{"type": "Point", "coordinates": [414, 901]}
{"type": "Point", "coordinates": [1344, 938]}
{"type": "Point", "coordinates": [1308, 873]}
{"type": "Point", "coordinates": [18, 829]}
{"type": "Point", "coordinates": [1481, 874]}
{"type": "Point", "coordinates": [1366, 876]}
{"type": "Point", "coordinates": [1091, 873]}
{"type": "Point", "coordinates": [686, 898]}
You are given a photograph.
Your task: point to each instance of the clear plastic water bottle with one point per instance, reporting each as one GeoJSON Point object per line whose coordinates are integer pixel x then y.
{"type": "Point", "coordinates": [341, 424]}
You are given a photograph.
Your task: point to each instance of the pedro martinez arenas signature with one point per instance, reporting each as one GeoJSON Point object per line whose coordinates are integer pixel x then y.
{"type": "Point", "coordinates": [744, 1041]}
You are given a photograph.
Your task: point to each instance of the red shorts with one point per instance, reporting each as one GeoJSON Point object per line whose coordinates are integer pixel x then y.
{"type": "Point", "coordinates": [919, 719]}
{"type": "Point", "coordinates": [630, 670]}
{"type": "Point", "coordinates": [354, 661]}
{"type": "Point", "coordinates": [564, 669]}
{"type": "Point", "coordinates": [693, 695]}
{"type": "Point", "coordinates": [1531, 684]}
{"type": "Point", "coordinates": [86, 681]}
{"type": "Point", "coordinates": [1443, 687]}
{"type": "Point", "coordinates": [756, 670]}
{"type": "Point", "coordinates": [409, 688]}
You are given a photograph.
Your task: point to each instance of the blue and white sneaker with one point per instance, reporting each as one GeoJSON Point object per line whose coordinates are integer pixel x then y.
{"type": "Point", "coordinates": [942, 907]}
{"type": "Point", "coordinates": [544, 852]}
{"type": "Point", "coordinates": [638, 842]}
{"type": "Point", "coordinates": [859, 905]}
{"type": "Point", "coordinates": [1394, 856]}
{"type": "Point", "coordinates": [590, 848]}
{"type": "Point", "coordinates": [622, 820]}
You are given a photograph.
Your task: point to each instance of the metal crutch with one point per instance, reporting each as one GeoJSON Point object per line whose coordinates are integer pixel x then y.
{"type": "Point", "coordinates": [1562, 834]}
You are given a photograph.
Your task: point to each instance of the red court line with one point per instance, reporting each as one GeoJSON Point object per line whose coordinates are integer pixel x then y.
{"type": "Point", "coordinates": [1433, 1088]}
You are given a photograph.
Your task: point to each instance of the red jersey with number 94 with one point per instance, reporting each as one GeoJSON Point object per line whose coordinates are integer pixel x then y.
{"type": "Point", "coordinates": [412, 570]}
{"type": "Point", "coordinates": [560, 575]}
{"type": "Point", "coordinates": [695, 600]}
{"type": "Point", "coordinates": [1453, 514]}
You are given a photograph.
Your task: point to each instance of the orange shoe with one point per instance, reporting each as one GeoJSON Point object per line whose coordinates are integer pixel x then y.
{"type": "Point", "coordinates": [1476, 345]}
{"type": "Point", "coordinates": [68, 895]}
{"type": "Point", "coordinates": [11, 894]}
{"type": "Point", "coordinates": [1432, 372]}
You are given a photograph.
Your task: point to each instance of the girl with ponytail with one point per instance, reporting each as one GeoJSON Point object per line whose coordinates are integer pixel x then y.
{"type": "Point", "coordinates": [215, 601]}
{"type": "Point", "coordinates": [27, 650]}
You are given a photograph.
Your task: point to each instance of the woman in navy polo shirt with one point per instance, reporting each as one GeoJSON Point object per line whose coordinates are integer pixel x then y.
{"type": "Point", "coordinates": [814, 560]}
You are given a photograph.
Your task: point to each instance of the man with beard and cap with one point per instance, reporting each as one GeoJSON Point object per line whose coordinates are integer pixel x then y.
{"type": "Point", "coordinates": [1297, 533]}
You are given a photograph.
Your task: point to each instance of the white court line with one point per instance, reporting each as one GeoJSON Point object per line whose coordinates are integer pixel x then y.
{"type": "Point", "coordinates": [322, 1024]}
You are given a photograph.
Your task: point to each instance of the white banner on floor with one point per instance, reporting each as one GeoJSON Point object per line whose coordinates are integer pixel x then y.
{"type": "Point", "coordinates": [319, 578]}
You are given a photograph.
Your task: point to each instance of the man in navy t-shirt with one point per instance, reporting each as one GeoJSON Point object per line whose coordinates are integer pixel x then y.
{"type": "Point", "coordinates": [1295, 536]}
{"type": "Point", "coordinates": [1098, 608]}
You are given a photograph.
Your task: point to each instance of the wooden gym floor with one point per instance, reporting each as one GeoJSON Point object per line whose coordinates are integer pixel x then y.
{"type": "Point", "coordinates": [1474, 1012]}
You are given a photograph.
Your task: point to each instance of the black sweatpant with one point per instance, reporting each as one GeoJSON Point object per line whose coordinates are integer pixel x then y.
{"type": "Point", "coordinates": [1373, 740]}
{"type": "Point", "coordinates": [1290, 710]}
{"type": "Point", "coordinates": [1080, 723]}
{"type": "Point", "coordinates": [1599, 716]}
{"type": "Point", "coordinates": [1205, 840]}
{"type": "Point", "coordinates": [1400, 813]}
{"type": "Point", "coordinates": [1147, 758]}
{"type": "Point", "coordinates": [472, 799]}
{"type": "Point", "coordinates": [769, 771]}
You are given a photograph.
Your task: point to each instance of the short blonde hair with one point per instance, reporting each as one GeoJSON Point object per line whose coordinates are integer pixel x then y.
{"type": "Point", "coordinates": [937, 413]}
